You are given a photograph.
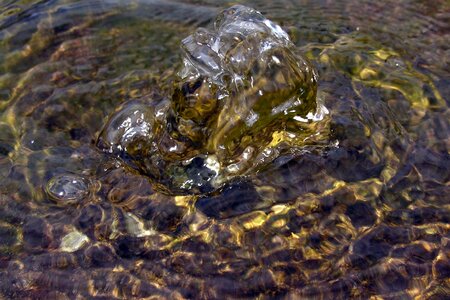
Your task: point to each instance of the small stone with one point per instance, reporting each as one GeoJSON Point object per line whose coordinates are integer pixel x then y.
{"type": "Point", "coordinates": [136, 227]}
{"type": "Point", "coordinates": [73, 241]}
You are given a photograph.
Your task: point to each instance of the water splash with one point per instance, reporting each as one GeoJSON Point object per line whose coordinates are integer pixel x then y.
{"type": "Point", "coordinates": [243, 95]}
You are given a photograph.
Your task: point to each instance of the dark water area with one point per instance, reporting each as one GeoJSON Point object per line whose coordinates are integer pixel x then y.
{"type": "Point", "coordinates": [355, 205]}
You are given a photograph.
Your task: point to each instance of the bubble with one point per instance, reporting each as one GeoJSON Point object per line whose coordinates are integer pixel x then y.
{"type": "Point", "coordinates": [128, 129]}
{"type": "Point", "coordinates": [68, 188]}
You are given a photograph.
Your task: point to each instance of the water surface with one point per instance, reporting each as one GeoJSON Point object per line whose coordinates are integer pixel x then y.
{"type": "Point", "coordinates": [366, 216]}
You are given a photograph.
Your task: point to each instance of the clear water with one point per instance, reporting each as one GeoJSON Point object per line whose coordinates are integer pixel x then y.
{"type": "Point", "coordinates": [241, 87]}
{"type": "Point", "coordinates": [364, 215]}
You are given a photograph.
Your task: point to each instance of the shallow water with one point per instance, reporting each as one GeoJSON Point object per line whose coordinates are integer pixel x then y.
{"type": "Point", "coordinates": [364, 215]}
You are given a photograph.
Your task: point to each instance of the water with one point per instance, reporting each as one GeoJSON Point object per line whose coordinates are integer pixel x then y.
{"type": "Point", "coordinates": [240, 86]}
{"type": "Point", "coordinates": [360, 210]}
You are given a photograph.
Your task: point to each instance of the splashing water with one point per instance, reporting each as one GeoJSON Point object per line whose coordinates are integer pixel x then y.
{"type": "Point", "coordinates": [289, 214]}
{"type": "Point", "coordinates": [242, 86]}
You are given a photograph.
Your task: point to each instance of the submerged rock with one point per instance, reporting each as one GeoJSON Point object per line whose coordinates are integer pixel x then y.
{"type": "Point", "coordinates": [73, 241]}
{"type": "Point", "coordinates": [242, 96]}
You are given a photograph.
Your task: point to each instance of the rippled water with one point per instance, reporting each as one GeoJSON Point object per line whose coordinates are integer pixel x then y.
{"type": "Point", "coordinates": [365, 216]}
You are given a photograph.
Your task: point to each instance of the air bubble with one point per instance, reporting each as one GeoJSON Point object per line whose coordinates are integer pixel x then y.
{"type": "Point", "coordinates": [68, 188]}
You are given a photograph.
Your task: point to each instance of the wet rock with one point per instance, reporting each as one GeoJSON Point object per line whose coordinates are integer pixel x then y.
{"type": "Point", "coordinates": [79, 134]}
{"type": "Point", "coordinates": [89, 217]}
{"type": "Point", "coordinates": [7, 140]}
{"type": "Point", "coordinates": [13, 212]}
{"type": "Point", "coordinates": [73, 241]}
{"type": "Point", "coordinates": [416, 253]}
{"type": "Point", "coordinates": [51, 260]}
{"type": "Point", "coordinates": [5, 149]}
{"type": "Point", "coordinates": [442, 268]}
{"type": "Point", "coordinates": [135, 226]}
{"type": "Point", "coordinates": [286, 255]}
{"type": "Point", "coordinates": [361, 214]}
{"type": "Point", "coordinates": [8, 236]}
{"type": "Point", "coordinates": [289, 176]}
{"type": "Point", "coordinates": [100, 255]}
{"type": "Point", "coordinates": [164, 216]}
{"type": "Point", "coordinates": [36, 234]}
{"type": "Point", "coordinates": [234, 199]}
{"type": "Point", "coordinates": [256, 283]}
{"type": "Point", "coordinates": [62, 281]}
{"type": "Point", "coordinates": [392, 281]}
{"type": "Point", "coordinates": [352, 165]}
{"type": "Point", "coordinates": [418, 216]}
{"type": "Point", "coordinates": [122, 187]}
{"type": "Point", "coordinates": [129, 246]}
{"type": "Point", "coordinates": [369, 250]}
